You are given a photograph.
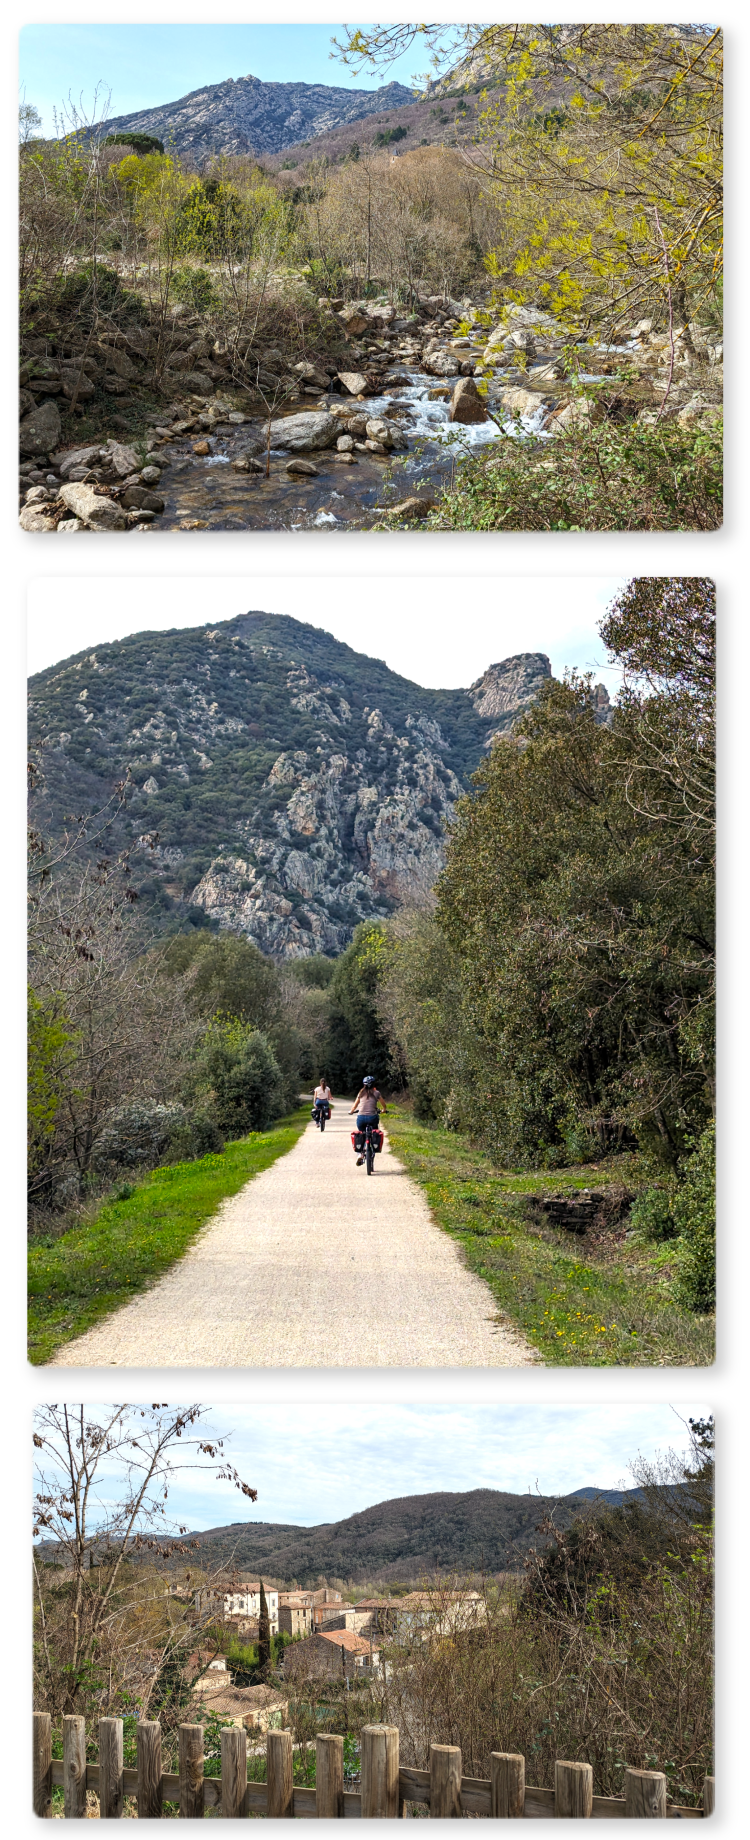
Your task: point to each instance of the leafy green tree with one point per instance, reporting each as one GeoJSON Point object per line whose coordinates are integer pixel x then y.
{"type": "Point", "coordinates": [585, 926]}
{"type": "Point", "coordinates": [356, 1043]}
{"type": "Point", "coordinates": [236, 1066]}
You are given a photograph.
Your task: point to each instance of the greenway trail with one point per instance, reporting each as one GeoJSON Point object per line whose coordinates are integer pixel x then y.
{"type": "Point", "coordinates": [313, 1264]}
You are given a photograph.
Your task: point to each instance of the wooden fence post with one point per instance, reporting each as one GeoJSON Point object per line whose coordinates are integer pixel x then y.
{"type": "Point", "coordinates": [191, 1772]}
{"type": "Point", "coordinates": [233, 1772]}
{"type": "Point", "coordinates": [42, 1765]}
{"type": "Point", "coordinates": [574, 1791]}
{"type": "Point", "coordinates": [379, 1772]}
{"type": "Point", "coordinates": [111, 1784]}
{"type": "Point", "coordinates": [445, 1782]}
{"type": "Point", "coordinates": [74, 1766]}
{"type": "Point", "coordinates": [709, 1794]}
{"type": "Point", "coordinates": [645, 1795]}
{"type": "Point", "coordinates": [507, 1785]}
{"type": "Point", "coordinates": [148, 1757]}
{"type": "Point", "coordinates": [329, 1778]}
{"type": "Point", "coordinates": [279, 1775]}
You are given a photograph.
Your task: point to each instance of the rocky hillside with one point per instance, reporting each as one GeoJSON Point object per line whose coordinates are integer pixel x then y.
{"type": "Point", "coordinates": [248, 116]}
{"type": "Point", "coordinates": [295, 786]}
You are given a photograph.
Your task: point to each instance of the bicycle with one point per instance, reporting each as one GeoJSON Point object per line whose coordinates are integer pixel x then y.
{"type": "Point", "coordinates": [368, 1144]}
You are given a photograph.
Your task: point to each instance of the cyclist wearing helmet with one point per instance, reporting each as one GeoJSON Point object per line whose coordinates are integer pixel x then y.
{"type": "Point", "coordinates": [366, 1105]}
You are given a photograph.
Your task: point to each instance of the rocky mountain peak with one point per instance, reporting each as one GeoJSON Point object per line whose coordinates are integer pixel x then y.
{"type": "Point", "coordinates": [506, 689]}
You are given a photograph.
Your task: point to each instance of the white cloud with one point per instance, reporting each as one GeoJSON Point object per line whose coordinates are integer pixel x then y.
{"type": "Point", "coordinates": [313, 1463]}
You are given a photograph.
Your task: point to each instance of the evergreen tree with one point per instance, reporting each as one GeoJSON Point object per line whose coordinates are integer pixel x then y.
{"type": "Point", "coordinates": [264, 1634]}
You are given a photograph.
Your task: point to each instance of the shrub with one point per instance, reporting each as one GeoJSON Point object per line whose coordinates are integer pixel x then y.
{"type": "Point", "coordinates": [147, 1133]}
{"type": "Point", "coordinates": [607, 477]}
{"type": "Point", "coordinates": [694, 1211]}
{"type": "Point", "coordinates": [239, 1070]}
{"type": "Point", "coordinates": [195, 288]}
{"type": "Point", "coordinates": [652, 1215]}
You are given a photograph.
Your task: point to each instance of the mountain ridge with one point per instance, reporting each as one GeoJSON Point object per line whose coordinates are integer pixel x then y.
{"type": "Point", "coordinates": [246, 115]}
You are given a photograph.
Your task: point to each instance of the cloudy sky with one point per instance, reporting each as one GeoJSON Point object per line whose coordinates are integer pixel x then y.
{"type": "Point", "coordinates": [440, 630]}
{"type": "Point", "coordinates": [314, 1462]}
{"type": "Point", "coordinates": [143, 65]}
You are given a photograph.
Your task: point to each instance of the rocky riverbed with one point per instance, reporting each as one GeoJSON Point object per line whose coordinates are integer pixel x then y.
{"type": "Point", "coordinates": [323, 444]}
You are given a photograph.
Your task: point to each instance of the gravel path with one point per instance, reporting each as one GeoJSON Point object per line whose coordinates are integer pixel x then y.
{"type": "Point", "coordinates": [313, 1264]}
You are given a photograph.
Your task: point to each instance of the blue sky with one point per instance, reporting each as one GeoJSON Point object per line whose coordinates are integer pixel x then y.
{"type": "Point", "coordinates": [316, 1462]}
{"type": "Point", "coordinates": [439, 630]}
{"type": "Point", "coordinates": [144, 65]}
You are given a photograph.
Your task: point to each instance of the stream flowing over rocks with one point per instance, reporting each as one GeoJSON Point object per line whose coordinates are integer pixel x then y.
{"type": "Point", "coordinates": [310, 447]}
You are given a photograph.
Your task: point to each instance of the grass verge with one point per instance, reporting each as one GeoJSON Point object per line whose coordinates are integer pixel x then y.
{"type": "Point", "coordinates": [608, 1305]}
{"type": "Point", "coordinates": [134, 1237]}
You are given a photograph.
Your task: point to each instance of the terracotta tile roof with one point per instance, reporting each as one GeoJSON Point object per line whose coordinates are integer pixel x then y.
{"type": "Point", "coordinates": [345, 1638]}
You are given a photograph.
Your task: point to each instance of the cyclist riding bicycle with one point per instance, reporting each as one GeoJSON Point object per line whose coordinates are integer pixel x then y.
{"type": "Point", "coordinates": [367, 1107]}
{"type": "Point", "coordinates": [322, 1097]}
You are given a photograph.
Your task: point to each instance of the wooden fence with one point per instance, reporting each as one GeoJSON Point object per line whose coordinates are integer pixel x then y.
{"type": "Point", "coordinates": [384, 1786]}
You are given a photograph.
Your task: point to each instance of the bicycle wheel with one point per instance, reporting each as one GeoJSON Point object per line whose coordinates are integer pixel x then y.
{"type": "Point", "coordinates": [322, 1121]}
{"type": "Point", "coordinates": [369, 1157]}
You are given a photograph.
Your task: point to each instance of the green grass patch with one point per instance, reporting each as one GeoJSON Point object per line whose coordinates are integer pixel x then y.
{"type": "Point", "coordinates": [128, 1243]}
{"type": "Point", "coordinates": [611, 1308]}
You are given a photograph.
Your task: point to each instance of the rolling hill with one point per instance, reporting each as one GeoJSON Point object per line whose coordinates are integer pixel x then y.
{"type": "Point", "coordinates": [408, 1538]}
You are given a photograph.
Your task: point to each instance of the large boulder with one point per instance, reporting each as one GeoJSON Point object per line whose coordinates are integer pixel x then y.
{"type": "Point", "coordinates": [312, 373]}
{"type": "Point", "coordinates": [379, 428]}
{"type": "Point", "coordinates": [353, 320]}
{"type": "Point", "coordinates": [80, 457]}
{"type": "Point", "coordinates": [439, 364]}
{"type": "Point", "coordinates": [40, 431]}
{"type": "Point", "coordinates": [197, 383]}
{"type": "Point", "coordinates": [521, 402]}
{"type": "Point", "coordinates": [466, 403]}
{"type": "Point", "coordinates": [577, 414]}
{"type": "Point", "coordinates": [93, 509]}
{"type": "Point", "coordinates": [302, 434]}
{"type": "Point", "coordinates": [137, 498]}
{"type": "Point", "coordinates": [76, 383]}
{"type": "Point", "coordinates": [121, 459]}
{"type": "Point", "coordinates": [118, 361]}
{"type": "Point", "coordinates": [355, 382]}
{"type": "Point", "coordinates": [407, 508]}
{"type": "Point", "coordinates": [36, 517]}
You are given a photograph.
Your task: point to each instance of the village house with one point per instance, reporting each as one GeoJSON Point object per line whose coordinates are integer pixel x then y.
{"type": "Point", "coordinates": [241, 1601]}
{"type": "Point", "coordinates": [295, 1613]}
{"type": "Point", "coordinates": [333, 1652]}
{"type": "Point", "coordinates": [259, 1708]}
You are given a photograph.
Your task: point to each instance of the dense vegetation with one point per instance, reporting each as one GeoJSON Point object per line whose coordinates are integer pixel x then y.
{"type": "Point", "coordinates": [604, 1653]}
